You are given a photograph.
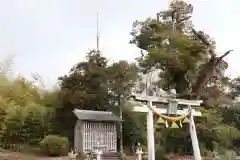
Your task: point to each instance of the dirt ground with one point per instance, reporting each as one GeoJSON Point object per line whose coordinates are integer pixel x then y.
{"type": "Point", "coordinates": [21, 156]}
{"type": "Point", "coordinates": [24, 156]}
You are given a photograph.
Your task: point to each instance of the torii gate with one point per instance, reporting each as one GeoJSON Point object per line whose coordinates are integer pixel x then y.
{"type": "Point", "coordinates": [150, 109]}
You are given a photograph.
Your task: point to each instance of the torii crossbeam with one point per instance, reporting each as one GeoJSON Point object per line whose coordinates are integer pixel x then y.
{"type": "Point", "coordinates": [150, 109]}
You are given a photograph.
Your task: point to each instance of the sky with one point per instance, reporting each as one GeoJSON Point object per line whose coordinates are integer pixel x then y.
{"type": "Point", "coordinates": [49, 36]}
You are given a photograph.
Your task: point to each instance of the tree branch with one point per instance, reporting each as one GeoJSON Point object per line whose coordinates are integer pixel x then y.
{"type": "Point", "coordinates": [201, 37]}
{"type": "Point", "coordinates": [224, 55]}
{"type": "Point", "coordinates": [173, 15]}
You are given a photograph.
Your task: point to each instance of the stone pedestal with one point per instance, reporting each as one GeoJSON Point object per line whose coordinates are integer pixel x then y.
{"type": "Point", "coordinates": [98, 153]}
{"type": "Point", "coordinates": [139, 153]}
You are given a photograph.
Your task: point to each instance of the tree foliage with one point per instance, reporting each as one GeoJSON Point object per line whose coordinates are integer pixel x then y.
{"type": "Point", "coordinates": [187, 62]}
{"type": "Point", "coordinates": [122, 79]}
{"type": "Point", "coordinates": [185, 56]}
{"type": "Point", "coordinates": [85, 85]}
{"type": "Point", "coordinates": [24, 119]}
{"type": "Point", "coordinates": [94, 84]}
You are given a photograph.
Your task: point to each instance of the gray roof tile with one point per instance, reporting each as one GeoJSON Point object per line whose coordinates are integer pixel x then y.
{"type": "Point", "coordinates": [95, 115]}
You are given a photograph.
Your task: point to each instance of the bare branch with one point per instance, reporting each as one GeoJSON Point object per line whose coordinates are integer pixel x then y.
{"type": "Point", "coordinates": [224, 55]}
{"type": "Point", "coordinates": [201, 37]}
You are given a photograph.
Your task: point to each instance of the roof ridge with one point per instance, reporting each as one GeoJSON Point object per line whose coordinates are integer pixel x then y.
{"type": "Point", "coordinates": [95, 115]}
{"type": "Point", "coordinates": [91, 111]}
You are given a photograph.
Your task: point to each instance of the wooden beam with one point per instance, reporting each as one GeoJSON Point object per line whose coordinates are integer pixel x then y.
{"type": "Point", "coordinates": [143, 98]}
{"type": "Point", "coordinates": [145, 109]}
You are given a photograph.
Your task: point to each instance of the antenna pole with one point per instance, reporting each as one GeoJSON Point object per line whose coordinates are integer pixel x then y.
{"type": "Point", "coordinates": [97, 35]}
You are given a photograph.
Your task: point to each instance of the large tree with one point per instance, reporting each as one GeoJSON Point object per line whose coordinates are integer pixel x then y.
{"type": "Point", "coordinates": [122, 79]}
{"type": "Point", "coordinates": [186, 57]}
{"type": "Point", "coordinates": [189, 64]}
{"type": "Point", "coordinates": [84, 87]}
{"type": "Point", "coordinates": [94, 85]}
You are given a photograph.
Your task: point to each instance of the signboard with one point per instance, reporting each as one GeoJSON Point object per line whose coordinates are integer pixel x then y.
{"type": "Point", "coordinates": [172, 107]}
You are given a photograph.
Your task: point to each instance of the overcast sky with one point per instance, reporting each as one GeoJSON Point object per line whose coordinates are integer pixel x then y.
{"type": "Point", "coordinates": [50, 36]}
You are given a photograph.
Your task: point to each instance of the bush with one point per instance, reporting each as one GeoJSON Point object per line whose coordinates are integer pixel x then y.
{"type": "Point", "coordinates": [54, 145]}
{"type": "Point", "coordinates": [160, 153]}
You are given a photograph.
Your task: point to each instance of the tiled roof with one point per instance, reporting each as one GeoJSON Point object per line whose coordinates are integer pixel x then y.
{"type": "Point", "coordinates": [95, 115]}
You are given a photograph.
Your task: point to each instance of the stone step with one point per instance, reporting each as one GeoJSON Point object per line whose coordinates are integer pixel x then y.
{"type": "Point", "coordinates": [111, 156]}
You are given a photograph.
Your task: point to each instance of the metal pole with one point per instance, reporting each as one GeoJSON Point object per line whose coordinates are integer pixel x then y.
{"type": "Point", "coordinates": [150, 134]}
{"type": "Point", "coordinates": [97, 36]}
{"type": "Point", "coordinates": [193, 134]}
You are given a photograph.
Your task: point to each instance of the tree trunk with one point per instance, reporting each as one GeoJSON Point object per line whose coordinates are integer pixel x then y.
{"type": "Point", "coordinates": [203, 79]}
{"type": "Point", "coordinates": [121, 126]}
{"type": "Point", "coordinates": [207, 73]}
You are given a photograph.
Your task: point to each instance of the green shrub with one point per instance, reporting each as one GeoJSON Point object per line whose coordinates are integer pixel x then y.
{"type": "Point", "coordinates": [160, 153]}
{"type": "Point", "coordinates": [54, 145]}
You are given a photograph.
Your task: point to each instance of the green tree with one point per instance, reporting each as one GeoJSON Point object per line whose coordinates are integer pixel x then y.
{"type": "Point", "coordinates": [14, 123]}
{"type": "Point", "coordinates": [134, 126]}
{"type": "Point", "coordinates": [17, 97]}
{"type": "Point", "coordinates": [31, 129]}
{"type": "Point", "coordinates": [35, 125]}
{"type": "Point", "coordinates": [19, 91]}
{"type": "Point", "coordinates": [85, 87]}
{"type": "Point", "coordinates": [234, 86]}
{"type": "Point", "coordinates": [2, 124]}
{"type": "Point", "coordinates": [188, 63]}
{"type": "Point", "coordinates": [52, 99]}
{"type": "Point", "coordinates": [122, 78]}
{"type": "Point", "coordinates": [86, 83]}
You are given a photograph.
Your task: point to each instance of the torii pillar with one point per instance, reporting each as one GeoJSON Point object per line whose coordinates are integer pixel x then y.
{"type": "Point", "coordinates": [150, 133]}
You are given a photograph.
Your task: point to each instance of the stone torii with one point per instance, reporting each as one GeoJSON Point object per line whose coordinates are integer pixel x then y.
{"type": "Point", "coordinates": [150, 109]}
